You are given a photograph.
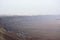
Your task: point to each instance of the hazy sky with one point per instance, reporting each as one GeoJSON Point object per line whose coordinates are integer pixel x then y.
{"type": "Point", "coordinates": [29, 7]}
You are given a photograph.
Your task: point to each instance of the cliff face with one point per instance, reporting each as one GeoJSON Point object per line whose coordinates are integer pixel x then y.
{"type": "Point", "coordinates": [4, 35]}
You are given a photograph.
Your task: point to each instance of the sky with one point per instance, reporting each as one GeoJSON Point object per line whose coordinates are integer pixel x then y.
{"type": "Point", "coordinates": [29, 7]}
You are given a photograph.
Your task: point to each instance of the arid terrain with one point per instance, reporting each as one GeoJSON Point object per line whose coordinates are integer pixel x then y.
{"type": "Point", "coordinates": [43, 27]}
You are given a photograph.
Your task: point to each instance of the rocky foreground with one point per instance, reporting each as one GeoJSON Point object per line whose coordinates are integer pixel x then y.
{"type": "Point", "coordinates": [5, 35]}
